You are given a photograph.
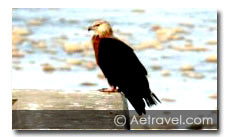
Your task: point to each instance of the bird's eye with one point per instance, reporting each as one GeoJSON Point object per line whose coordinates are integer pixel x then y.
{"type": "Point", "coordinates": [97, 25]}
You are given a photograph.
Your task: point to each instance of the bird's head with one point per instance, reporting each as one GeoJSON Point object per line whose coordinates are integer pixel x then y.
{"type": "Point", "coordinates": [101, 28]}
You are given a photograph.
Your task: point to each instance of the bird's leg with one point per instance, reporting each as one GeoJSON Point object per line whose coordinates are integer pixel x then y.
{"type": "Point", "coordinates": [111, 89]}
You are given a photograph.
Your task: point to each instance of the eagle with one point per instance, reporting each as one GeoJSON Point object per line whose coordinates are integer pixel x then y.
{"type": "Point", "coordinates": [121, 67]}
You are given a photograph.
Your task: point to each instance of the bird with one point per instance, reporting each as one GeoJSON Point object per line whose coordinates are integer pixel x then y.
{"type": "Point", "coordinates": [121, 67]}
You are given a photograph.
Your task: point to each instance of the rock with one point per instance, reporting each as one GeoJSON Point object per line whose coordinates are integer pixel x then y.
{"type": "Point", "coordinates": [73, 61]}
{"type": "Point", "coordinates": [211, 58]}
{"type": "Point", "coordinates": [72, 47]}
{"type": "Point", "coordinates": [189, 47]}
{"type": "Point", "coordinates": [142, 46]}
{"type": "Point", "coordinates": [29, 51]}
{"type": "Point", "coordinates": [124, 38]}
{"type": "Point", "coordinates": [16, 62]}
{"type": "Point", "coordinates": [68, 21]}
{"type": "Point", "coordinates": [165, 73]}
{"type": "Point", "coordinates": [192, 74]}
{"type": "Point", "coordinates": [213, 96]}
{"type": "Point", "coordinates": [35, 22]}
{"type": "Point", "coordinates": [65, 67]}
{"type": "Point", "coordinates": [59, 40]}
{"type": "Point", "coordinates": [87, 45]}
{"type": "Point", "coordinates": [154, 44]}
{"type": "Point", "coordinates": [212, 42]}
{"type": "Point", "coordinates": [20, 31]}
{"type": "Point", "coordinates": [87, 53]}
{"type": "Point", "coordinates": [18, 35]}
{"type": "Point", "coordinates": [159, 47]}
{"type": "Point", "coordinates": [187, 67]}
{"type": "Point", "coordinates": [18, 54]}
{"type": "Point", "coordinates": [58, 59]}
{"type": "Point", "coordinates": [155, 27]}
{"type": "Point", "coordinates": [138, 10]}
{"type": "Point", "coordinates": [200, 48]}
{"type": "Point", "coordinates": [177, 48]}
{"type": "Point", "coordinates": [39, 44]}
{"type": "Point", "coordinates": [168, 100]}
{"type": "Point", "coordinates": [47, 67]}
{"type": "Point", "coordinates": [14, 47]}
{"type": "Point", "coordinates": [175, 37]}
{"type": "Point", "coordinates": [163, 34]}
{"type": "Point", "coordinates": [149, 44]}
{"type": "Point", "coordinates": [101, 76]}
{"type": "Point", "coordinates": [88, 84]}
{"type": "Point", "coordinates": [17, 67]}
{"type": "Point", "coordinates": [89, 65]}
{"type": "Point", "coordinates": [178, 30]}
{"type": "Point", "coordinates": [188, 44]}
{"type": "Point", "coordinates": [122, 33]}
{"type": "Point", "coordinates": [187, 24]}
{"type": "Point", "coordinates": [188, 40]}
{"type": "Point", "coordinates": [50, 51]}
{"type": "Point", "coordinates": [17, 39]}
{"type": "Point", "coordinates": [166, 56]}
{"type": "Point", "coordinates": [156, 67]}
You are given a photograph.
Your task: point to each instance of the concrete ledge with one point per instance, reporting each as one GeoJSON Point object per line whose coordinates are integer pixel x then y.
{"type": "Point", "coordinates": [58, 109]}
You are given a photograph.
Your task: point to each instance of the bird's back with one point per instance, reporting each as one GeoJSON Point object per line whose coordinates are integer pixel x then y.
{"type": "Point", "coordinates": [117, 58]}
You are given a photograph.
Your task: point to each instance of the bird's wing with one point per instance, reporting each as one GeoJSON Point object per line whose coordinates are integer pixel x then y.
{"type": "Point", "coordinates": [123, 69]}
{"type": "Point", "coordinates": [117, 59]}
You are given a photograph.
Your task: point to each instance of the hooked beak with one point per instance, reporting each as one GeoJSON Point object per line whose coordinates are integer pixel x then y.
{"type": "Point", "coordinates": [90, 28]}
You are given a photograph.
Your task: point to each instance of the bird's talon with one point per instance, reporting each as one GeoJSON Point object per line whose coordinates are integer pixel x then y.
{"type": "Point", "coordinates": [109, 90]}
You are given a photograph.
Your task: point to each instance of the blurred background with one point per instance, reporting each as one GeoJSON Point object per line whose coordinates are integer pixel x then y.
{"type": "Point", "coordinates": [51, 49]}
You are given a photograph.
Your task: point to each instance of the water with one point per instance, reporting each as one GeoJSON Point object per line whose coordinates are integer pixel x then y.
{"type": "Point", "coordinates": [134, 27]}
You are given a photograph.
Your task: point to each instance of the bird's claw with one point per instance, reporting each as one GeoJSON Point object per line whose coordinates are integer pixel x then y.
{"type": "Point", "coordinates": [111, 89]}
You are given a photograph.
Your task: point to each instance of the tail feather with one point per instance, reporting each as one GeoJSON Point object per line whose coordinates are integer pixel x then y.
{"type": "Point", "coordinates": [138, 100]}
{"type": "Point", "coordinates": [155, 97]}
{"type": "Point", "coordinates": [138, 104]}
{"type": "Point", "coordinates": [152, 99]}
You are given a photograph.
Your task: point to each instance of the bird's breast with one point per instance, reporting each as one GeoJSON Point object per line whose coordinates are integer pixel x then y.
{"type": "Point", "coordinates": [95, 43]}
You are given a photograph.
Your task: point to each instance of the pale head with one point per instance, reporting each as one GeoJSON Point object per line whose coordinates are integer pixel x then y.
{"type": "Point", "coordinates": [101, 28]}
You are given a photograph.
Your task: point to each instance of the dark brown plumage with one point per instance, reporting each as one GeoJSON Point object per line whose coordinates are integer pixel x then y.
{"type": "Point", "coordinates": [121, 67]}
